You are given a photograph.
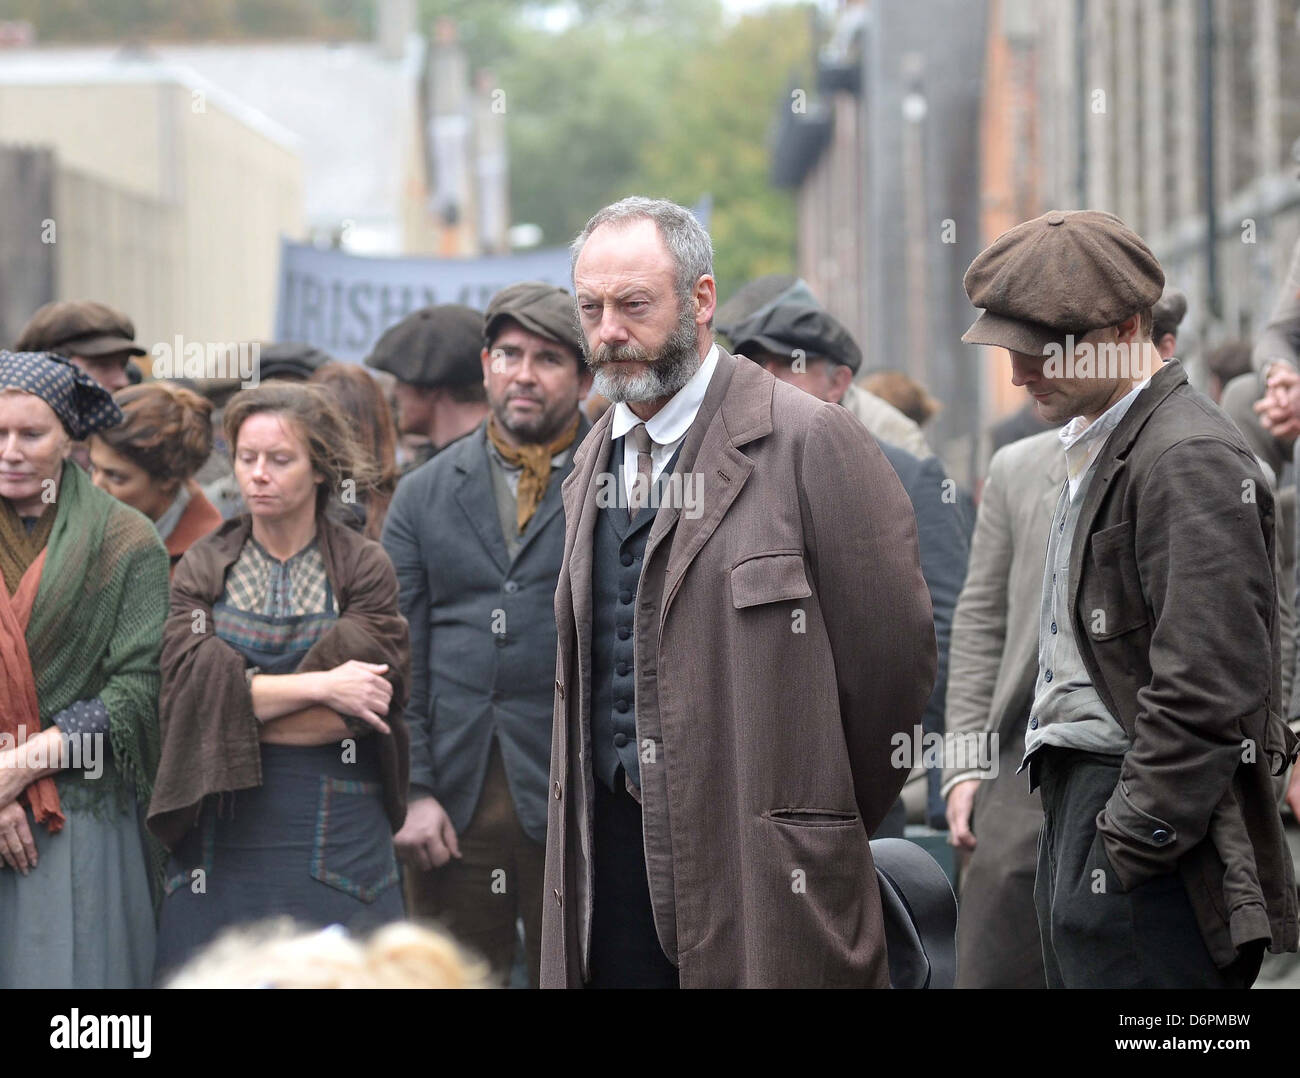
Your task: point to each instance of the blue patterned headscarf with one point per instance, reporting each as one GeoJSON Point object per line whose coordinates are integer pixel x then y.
{"type": "Point", "coordinates": [83, 405]}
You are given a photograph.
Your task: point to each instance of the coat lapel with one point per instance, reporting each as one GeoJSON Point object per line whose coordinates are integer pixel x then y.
{"type": "Point", "coordinates": [1114, 458]}
{"type": "Point", "coordinates": [579, 495]}
{"type": "Point", "coordinates": [737, 408]}
{"type": "Point", "coordinates": [474, 493]}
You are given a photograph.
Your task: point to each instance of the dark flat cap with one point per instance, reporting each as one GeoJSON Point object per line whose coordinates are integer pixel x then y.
{"type": "Point", "coordinates": [1064, 272]}
{"type": "Point", "coordinates": [290, 359]}
{"type": "Point", "coordinates": [540, 308]}
{"type": "Point", "coordinates": [78, 328]}
{"type": "Point", "coordinates": [792, 325]}
{"type": "Point", "coordinates": [758, 295]}
{"type": "Point", "coordinates": [434, 346]}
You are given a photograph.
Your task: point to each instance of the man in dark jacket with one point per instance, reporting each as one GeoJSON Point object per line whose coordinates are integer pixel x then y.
{"type": "Point", "coordinates": [1154, 729]}
{"type": "Point", "coordinates": [477, 535]}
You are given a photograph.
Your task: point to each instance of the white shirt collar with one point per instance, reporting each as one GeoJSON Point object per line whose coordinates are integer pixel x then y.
{"type": "Point", "coordinates": [674, 419]}
{"type": "Point", "coordinates": [1083, 441]}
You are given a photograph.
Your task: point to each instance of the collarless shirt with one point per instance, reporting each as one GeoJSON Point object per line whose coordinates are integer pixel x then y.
{"type": "Point", "coordinates": [667, 427]}
{"type": "Point", "coordinates": [1083, 441]}
{"type": "Point", "coordinates": [1067, 711]}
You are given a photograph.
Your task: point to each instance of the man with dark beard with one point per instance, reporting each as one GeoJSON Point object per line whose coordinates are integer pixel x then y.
{"type": "Point", "coordinates": [476, 535]}
{"type": "Point", "coordinates": [744, 633]}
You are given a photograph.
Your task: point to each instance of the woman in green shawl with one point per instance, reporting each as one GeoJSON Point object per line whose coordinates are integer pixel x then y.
{"type": "Point", "coordinates": [82, 608]}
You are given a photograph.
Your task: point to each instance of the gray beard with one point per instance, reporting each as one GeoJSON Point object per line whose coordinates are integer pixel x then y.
{"type": "Point", "coordinates": [665, 373]}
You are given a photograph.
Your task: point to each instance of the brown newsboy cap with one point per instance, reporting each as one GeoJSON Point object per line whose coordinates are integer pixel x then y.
{"type": "Point", "coordinates": [1064, 272]}
{"type": "Point", "coordinates": [78, 328]}
{"type": "Point", "coordinates": [540, 308]}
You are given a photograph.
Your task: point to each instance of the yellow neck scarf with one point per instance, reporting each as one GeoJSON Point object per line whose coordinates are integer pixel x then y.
{"type": "Point", "coordinates": [535, 460]}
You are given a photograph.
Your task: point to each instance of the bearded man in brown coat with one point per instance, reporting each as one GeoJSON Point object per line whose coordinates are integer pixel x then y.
{"type": "Point", "coordinates": [744, 638]}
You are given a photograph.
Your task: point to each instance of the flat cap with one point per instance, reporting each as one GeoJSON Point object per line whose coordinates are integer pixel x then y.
{"type": "Point", "coordinates": [758, 295]}
{"type": "Point", "coordinates": [434, 346]}
{"type": "Point", "coordinates": [80, 327]}
{"type": "Point", "coordinates": [794, 325]}
{"type": "Point", "coordinates": [539, 308]}
{"type": "Point", "coordinates": [1063, 272]}
{"type": "Point", "coordinates": [290, 359]}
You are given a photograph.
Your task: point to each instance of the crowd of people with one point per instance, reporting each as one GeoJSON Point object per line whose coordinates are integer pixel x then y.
{"type": "Point", "coordinates": [592, 643]}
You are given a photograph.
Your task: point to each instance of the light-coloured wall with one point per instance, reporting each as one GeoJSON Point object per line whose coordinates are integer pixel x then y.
{"type": "Point", "coordinates": [166, 204]}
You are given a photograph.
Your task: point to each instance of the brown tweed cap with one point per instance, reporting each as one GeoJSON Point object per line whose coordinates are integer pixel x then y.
{"type": "Point", "coordinates": [1063, 272]}
{"type": "Point", "coordinates": [540, 308]}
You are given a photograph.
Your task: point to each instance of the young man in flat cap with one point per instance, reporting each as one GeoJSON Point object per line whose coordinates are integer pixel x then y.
{"type": "Point", "coordinates": [728, 678]}
{"type": "Point", "coordinates": [434, 355]}
{"type": "Point", "coordinates": [96, 338]}
{"type": "Point", "coordinates": [477, 535]}
{"type": "Point", "coordinates": [1154, 731]}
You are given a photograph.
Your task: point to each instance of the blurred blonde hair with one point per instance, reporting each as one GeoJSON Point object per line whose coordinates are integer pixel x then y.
{"type": "Point", "coordinates": [281, 954]}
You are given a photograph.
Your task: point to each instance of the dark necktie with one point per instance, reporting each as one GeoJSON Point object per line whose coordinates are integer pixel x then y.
{"type": "Point", "coordinates": [640, 491]}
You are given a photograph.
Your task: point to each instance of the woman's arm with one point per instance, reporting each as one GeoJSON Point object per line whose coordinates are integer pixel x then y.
{"type": "Point", "coordinates": [40, 755]}
{"type": "Point", "coordinates": [316, 725]}
{"type": "Point", "coordinates": [276, 696]}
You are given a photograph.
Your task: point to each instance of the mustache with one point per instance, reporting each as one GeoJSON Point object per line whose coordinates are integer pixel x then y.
{"type": "Point", "coordinates": [618, 353]}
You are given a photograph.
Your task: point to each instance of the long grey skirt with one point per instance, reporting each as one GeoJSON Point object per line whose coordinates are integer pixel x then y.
{"type": "Point", "coordinates": [83, 918]}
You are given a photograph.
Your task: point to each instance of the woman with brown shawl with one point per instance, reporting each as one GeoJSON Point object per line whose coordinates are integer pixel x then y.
{"type": "Point", "coordinates": [285, 668]}
{"type": "Point", "coordinates": [82, 606]}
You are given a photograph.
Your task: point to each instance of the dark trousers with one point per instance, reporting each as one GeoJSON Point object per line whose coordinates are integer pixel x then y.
{"type": "Point", "coordinates": [1094, 935]}
{"type": "Point", "coordinates": [496, 881]}
{"type": "Point", "coordinates": [625, 950]}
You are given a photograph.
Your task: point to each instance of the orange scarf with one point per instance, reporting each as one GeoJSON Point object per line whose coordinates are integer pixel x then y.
{"type": "Point", "coordinates": [535, 460]}
{"type": "Point", "coordinates": [20, 715]}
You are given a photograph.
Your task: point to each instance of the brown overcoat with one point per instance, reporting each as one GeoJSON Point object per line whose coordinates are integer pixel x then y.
{"type": "Point", "coordinates": [783, 635]}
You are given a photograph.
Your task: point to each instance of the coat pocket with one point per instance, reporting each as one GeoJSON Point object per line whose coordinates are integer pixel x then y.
{"type": "Point", "coordinates": [802, 817]}
{"type": "Point", "coordinates": [353, 849]}
{"type": "Point", "coordinates": [1114, 603]}
{"type": "Point", "coordinates": [815, 886]}
{"type": "Point", "coordinates": [771, 577]}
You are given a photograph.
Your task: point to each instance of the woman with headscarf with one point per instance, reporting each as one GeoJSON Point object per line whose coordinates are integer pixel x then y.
{"type": "Point", "coordinates": [82, 607]}
{"type": "Point", "coordinates": [149, 460]}
{"type": "Point", "coordinates": [285, 668]}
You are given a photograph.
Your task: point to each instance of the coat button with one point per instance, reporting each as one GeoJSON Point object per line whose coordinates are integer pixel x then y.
{"type": "Point", "coordinates": [625, 597]}
{"type": "Point", "coordinates": [1047, 676]}
{"type": "Point", "coordinates": [1033, 724]}
{"type": "Point", "coordinates": [624, 632]}
{"type": "Point", "coordinates": [620, 739]}
{"type": "Point", "coordinates": [501, 641]}
{"type": "Point", "coordinates": [1053, 628]}
{"type": "Point", "coordinates": [621, 707]}
{"type": "Point", "coordinates": [1056, 219]}
{"type": "Point", "coordinates": [1160, 835]}
{"type": "Point", "coordinates": [626, 557]}
{"type": "Point", "coordinates": [510, 587]}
